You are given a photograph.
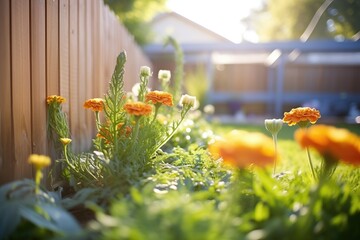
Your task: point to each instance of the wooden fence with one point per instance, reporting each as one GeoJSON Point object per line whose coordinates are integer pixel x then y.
{"type": "Point", "coordinates": [246, 77]}
{"type": "Point", "coordinates": [63, 47]}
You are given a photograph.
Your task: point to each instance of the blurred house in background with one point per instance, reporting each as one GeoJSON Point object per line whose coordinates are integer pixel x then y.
{"type": "Point", "coordinates": [263, 79]}
{"type": "Point", "coordinates": [183, 30]}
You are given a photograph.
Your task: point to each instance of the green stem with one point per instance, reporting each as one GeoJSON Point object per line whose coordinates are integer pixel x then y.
{"type": "Point", "coordinates": [186, 109]}
{"type": "Point", "coordinates": [67, 159]}
{"type": "Point", "coordinates": [38, 177]}
{"type": "Point", "coordinates": [310, 163]}
{"type": "Point", "coordinates": [97, 120]}
{"type": "Point", "coordinates": [156, 113]}
{"type": "Point", "coordinates": [136, 131]}
{"type": "Point", "coordinates": [276, 151]}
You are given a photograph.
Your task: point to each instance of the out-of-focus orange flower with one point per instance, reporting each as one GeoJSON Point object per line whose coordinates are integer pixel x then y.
{"type": "Point", "coordinates": [55, 99]}
{"type": "Point", "coordinates": [155, 97]}
{"type": "Point", "coordinates": [301, 115]}
{"type": "Point", "coordinates": [138, 108]}
{"type": "Point", "coordinates": [242, 149]}
{"type": "Point", "coordinates": [339, 143]}
{"type": "Point", "coordinates": [95, 104]}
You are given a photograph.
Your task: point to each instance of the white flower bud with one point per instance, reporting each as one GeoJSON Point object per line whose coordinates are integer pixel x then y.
{"type": "Point", "coordinates": [164, 75]}
{"type": "Point", "coordinates": [145, 71]}
{"type": "Point", "coordinates": [273, 125]}
{"type": "Point", "coordinates": [187, 100]}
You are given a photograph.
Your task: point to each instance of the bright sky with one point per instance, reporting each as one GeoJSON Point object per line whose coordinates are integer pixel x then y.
{"type": "Point", "coordinates": [221, 16]}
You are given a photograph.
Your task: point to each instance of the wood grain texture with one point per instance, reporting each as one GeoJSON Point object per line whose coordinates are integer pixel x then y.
{"type": "Point", "coordinates": [64, 51]}
{"type": "Point", "coordinates": [21, 86]}
{"type": "Point", "coordinates": [7, 155]}
{"type": "Point", "coordinates": [38, 77]}
{"type": "Point", "coordinates": [52, 47]}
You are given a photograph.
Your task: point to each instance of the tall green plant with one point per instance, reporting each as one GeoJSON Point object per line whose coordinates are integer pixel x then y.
{"type": "Point", "coordinates": [128, 136]}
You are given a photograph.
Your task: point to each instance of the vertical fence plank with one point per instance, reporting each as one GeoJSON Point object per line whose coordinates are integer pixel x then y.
{"type": "Point", "coordinates": [73, 51]}
{"type": "Point", "coordinates": [21, 98]}
{"type": "Point", "coordinates": [52, 58]}
{"type": "Point", "coordinates": [64, 51]}
{"type": "Point", "coordinates": [82, 74]}
{"type": "Point", "coordinates": [7, 164]}
{"type": "Point", "coordinates": [90, 122]}
{"type": "Point", "coordinates": [52, 47]}
{"type": "Point", "coordinates": [38, 77]}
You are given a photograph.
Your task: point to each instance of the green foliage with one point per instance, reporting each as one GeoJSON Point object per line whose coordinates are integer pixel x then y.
{"type": "Point", "coordinates": [191, 195]}
{"type": "Point", "coordinates": [286, 20]}
{"type": "Point", "coordinates": [196, 84]}
{"type": "Point", "coordinates": [25, 214]}
{"type": "Point", "coordinates": [117, 161]}
{"type": "Point", "coordinates": [135, 14]}
{"type": "Point", "coordinates": [176, 88]}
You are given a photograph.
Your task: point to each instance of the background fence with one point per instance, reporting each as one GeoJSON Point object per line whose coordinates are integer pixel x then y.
{"type": "Point", "coordinates": [266, 79]}
{"type": "Point", "coordinates": [63, 47]}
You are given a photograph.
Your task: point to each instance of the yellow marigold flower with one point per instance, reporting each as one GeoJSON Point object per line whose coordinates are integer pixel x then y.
{"type": "Point", "coordinates": [55, 99]}
{"type": "Point", "coordinates": [95, 104]}
{"type": "Point", "coordinates": [242, 149]}
{"type": "Point", "coordinates": [301, 115]}
{"type": "Point", "coordinates": [339, 143]}
{"type": "Point", "coordinates": [138, 108]}
{"type": "Point", "coordinates": [155, 97]}
{"type": "Point", "coordinates": [39, 161]}
{"type": "Point", "coordinates": [65, 141]}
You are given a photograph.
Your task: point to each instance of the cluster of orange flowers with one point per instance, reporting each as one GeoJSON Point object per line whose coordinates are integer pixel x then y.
{"type": "Point", "coordinates": [242, 149]}
{"type": "Point", "coordinates": [55, 99]}
{"type": "Point", "coordinates": [338, 143]}
{"type": "Point", "coordinates": [138, 108]}
{"type": "Point", "coordinates": [95, 104]}
{"type": "Point", "coordinates": [301, 115]}
{"type": "Point", "coordinates": [159, 97]}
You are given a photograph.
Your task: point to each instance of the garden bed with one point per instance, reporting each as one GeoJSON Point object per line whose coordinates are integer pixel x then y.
{"type": "Point", "coordinates": [155, 174]}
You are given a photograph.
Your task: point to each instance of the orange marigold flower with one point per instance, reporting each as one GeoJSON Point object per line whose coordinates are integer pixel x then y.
{"type": "Point", "coordinates": [301, 115]}
{"type": "Point", "coordinates": [138, 108]}
{"type": "Point", "coordinates": [242, 149]}
{"type": "Point", "coordinates": [55, 99]}
{"type": "Point", "coordinates": [155, 97]}
{"type": "Point", "coordinates": [339, 143]}
{"type": "Point", "coordinates": [95, 104]}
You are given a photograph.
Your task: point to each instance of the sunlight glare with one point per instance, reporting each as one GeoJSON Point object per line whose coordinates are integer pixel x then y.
{"type": "Point", "coordinates": [221, 16]}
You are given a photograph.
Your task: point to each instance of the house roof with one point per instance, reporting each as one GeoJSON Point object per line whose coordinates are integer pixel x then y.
{"type": "Point", "coordinates": [191, 27]}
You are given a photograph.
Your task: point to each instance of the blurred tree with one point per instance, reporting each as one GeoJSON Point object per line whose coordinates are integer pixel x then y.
{"type": "Point", "coordinates": [135, 15]}
{"type": "Point", "coordinates": [287, 20]}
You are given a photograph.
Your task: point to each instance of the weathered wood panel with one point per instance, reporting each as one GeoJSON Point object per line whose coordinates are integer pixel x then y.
{"type": "Point", "coordinates": [63, 47]}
